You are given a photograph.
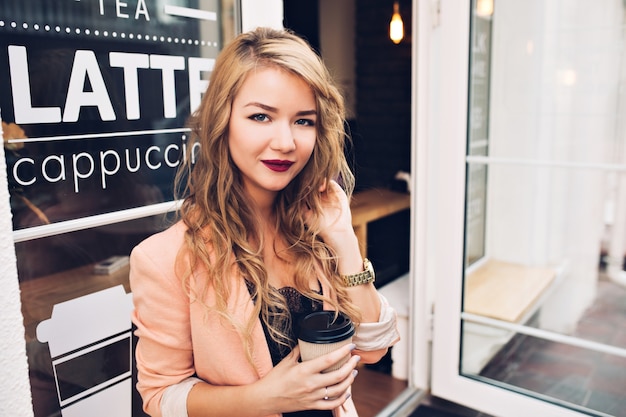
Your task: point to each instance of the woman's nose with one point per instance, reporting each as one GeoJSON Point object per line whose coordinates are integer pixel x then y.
{"type": "Point", "coordinates": [283, 139]}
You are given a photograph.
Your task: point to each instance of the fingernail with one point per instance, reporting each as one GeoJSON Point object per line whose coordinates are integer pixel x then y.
{"type": "Point", "coordinates": [358, 358]}
{"type": "Point", "coordinates": [354, 373]}
{"type": "Point", "coordinates": [352, 346]}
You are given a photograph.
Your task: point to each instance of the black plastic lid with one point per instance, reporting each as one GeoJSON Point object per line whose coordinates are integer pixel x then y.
{"type": "Point", "coordinates": [322, 327]}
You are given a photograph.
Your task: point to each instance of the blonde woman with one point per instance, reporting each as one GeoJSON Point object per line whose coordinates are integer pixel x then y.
{"type": "Point", "coordinates": [265, 237]}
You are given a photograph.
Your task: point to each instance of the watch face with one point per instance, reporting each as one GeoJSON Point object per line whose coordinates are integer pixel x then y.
{"type": "Point", "coordinates": [369, 267]}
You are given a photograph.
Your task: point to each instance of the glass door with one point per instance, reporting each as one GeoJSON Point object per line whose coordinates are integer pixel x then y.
{"type": "Point", "coordinates": [529, 190]}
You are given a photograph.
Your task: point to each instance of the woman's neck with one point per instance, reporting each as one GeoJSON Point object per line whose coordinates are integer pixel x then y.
{"type": "Point", "coordinates": [263, 201]}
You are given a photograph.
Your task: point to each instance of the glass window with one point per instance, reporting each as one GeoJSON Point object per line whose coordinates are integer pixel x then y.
{"type": "Point", "coordinates": [95, 97]}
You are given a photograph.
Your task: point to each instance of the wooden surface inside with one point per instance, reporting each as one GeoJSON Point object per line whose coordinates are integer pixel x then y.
{"type": "Point", "coordinates": [505, 291]}
{"type": "Point", "coordinates": [370, 205]}
{"type": "Point", "coordinates": [374, 204]}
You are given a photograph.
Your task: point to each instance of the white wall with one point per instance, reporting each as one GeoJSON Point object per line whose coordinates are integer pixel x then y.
{"type": "Point", "coordinates": [15, 398]}
{"type": "Point", "coordinates": [256, 13]}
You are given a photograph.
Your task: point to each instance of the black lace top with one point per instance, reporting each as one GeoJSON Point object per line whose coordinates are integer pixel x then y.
{"type": "Point", "coordinates": [299, 306]}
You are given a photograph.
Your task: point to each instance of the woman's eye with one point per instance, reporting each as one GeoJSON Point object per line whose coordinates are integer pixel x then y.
{"type": "Point", "coordinates": [305, 122]}
{"type": "Point", "coordinates": [260, 117]}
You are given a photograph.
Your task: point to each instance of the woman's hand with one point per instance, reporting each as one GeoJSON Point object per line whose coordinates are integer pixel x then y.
{"type": "Point", "coordinates": [336, 217]}
{"type": "Point", "coordinates": [294, 386]}
{"type": "Point", "coordinates": [335, 223]}
{"type": "Point", "coordinates": [289, 386]}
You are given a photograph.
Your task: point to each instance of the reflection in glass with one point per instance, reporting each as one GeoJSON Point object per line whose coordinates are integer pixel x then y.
{"type": "Point", "coordinates": [61, 269]}
{"type": "Point", "coordinates": [544, 296]}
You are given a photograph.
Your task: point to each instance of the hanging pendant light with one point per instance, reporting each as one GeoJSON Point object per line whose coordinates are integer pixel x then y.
{"type": "Point", "coordinates": [396, 27]}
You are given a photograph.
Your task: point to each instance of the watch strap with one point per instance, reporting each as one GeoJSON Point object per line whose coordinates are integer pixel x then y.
{"type": "Point", "coordinates": [360, 278]}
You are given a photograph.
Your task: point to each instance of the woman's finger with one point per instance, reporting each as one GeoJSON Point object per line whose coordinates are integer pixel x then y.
{"type": "Point", "coordinates": [331, 402]}
{"type": "Point", "coordinates": [339, 389]}
{"type": "Point", "coordinates": [321, 363]}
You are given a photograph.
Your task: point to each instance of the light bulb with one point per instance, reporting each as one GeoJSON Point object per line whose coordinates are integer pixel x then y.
{"type": "Point", "coordinates": [396, 27]}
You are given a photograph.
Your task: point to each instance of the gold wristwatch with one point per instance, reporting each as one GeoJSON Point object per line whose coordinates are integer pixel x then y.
{"type": "Point", "coordinates": [364, 277]}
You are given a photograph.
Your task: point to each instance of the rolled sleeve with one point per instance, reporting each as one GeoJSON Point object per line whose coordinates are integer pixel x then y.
{"type": "Point", "coordinates": [373, 339]}
{"type": "Point", "coordinates": [174, 400]}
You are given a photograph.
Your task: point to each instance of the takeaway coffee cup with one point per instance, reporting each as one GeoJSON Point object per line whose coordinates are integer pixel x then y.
{"type": "Point", "coordinates": [321, 332]}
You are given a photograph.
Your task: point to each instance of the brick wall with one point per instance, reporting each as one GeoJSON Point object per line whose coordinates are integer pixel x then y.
{"type": "Point", "coordinates": [382, 129]}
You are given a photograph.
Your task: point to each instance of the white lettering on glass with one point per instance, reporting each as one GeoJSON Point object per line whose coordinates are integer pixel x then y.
{"type": "Point", "coordinates": [197, 86]}
{"type": "Point", "coordinates": [148, 152]}
{"type": "Point", "coordinates": [128, 167]}
{"type": "Point", "coordinates": [25, 113]}
{"type": "Point", "coordinates": [108, 162]}
{"type": "Point", "coordinates": [86, 67]}
{"type": "Point", "coordinates": [77, 173]}
{"type": "Point", "coordinates": [44, 168]}
{"type": "Point", "coordinates": [103, 169]}
{"type": "Point", "coordinates": [140, 9]}
{"type": "Point", "coordinates": [168, 64]}
{"type": "Point", "coordinates": [167, 154]}
{"type": "Point", "coordinates": [131, 64]}
{"type": "Point", "coordinates": [17, 177]}
{"type": "Point", "coordinates": [86, 71]}
{"type": "Point", "coordinates": [118, 6]}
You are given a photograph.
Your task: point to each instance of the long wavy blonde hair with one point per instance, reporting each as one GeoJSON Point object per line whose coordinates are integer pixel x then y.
{"type": "Point", "coordinates": [222, 234]}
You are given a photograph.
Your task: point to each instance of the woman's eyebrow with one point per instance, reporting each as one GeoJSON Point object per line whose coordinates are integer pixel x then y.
{"type": "Point", "coordinates": [261, 105]}
{"type": "Point", "coordinates": [275, 110]}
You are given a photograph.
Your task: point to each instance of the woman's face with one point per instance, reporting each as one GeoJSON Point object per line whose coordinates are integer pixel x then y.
{"type": "Point", "coordinates": [272, 130]}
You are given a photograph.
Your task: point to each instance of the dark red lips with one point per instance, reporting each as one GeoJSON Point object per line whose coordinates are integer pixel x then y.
{"type": "Point", "coordinates": [277, 165]}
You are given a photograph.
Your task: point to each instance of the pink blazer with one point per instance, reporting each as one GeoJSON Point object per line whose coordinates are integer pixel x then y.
{"type": "Point", "coordinates": [177, 338]}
